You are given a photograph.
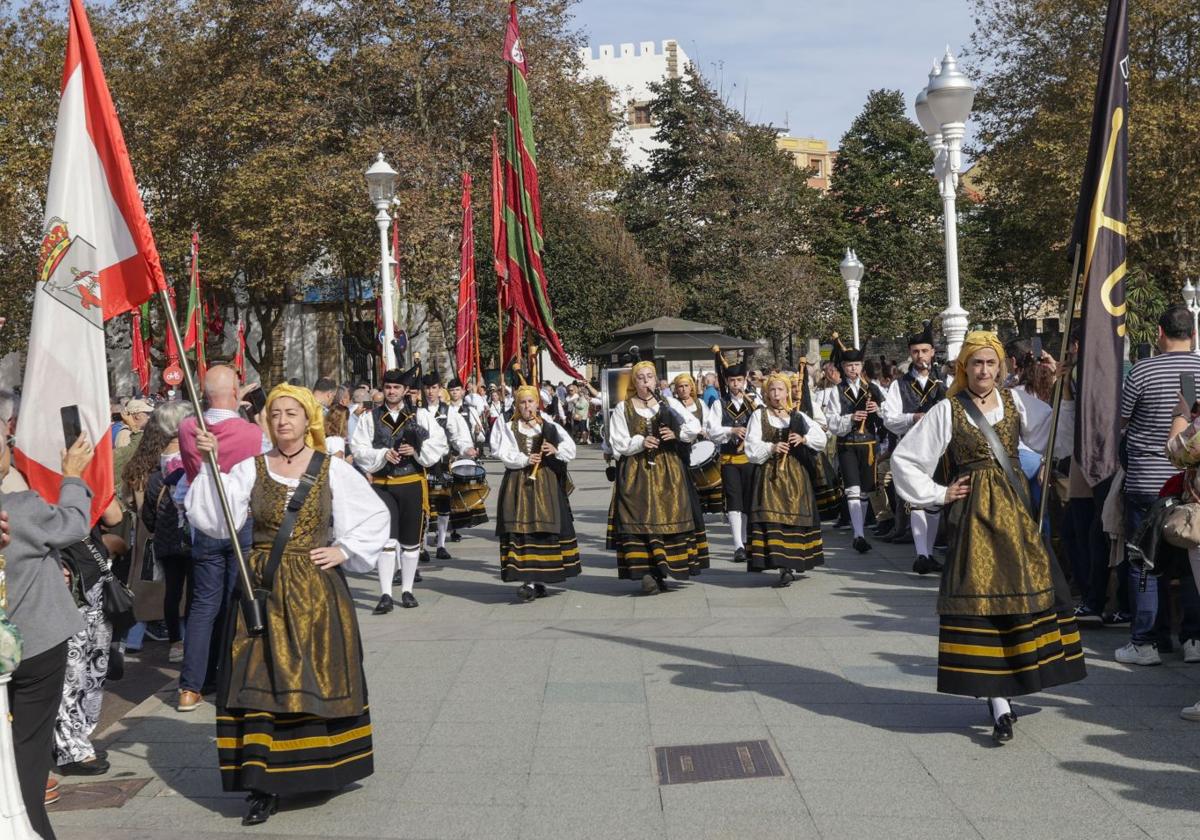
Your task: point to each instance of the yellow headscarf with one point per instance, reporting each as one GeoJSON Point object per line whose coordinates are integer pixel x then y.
{"type": "Point", "coordinates": [972, 344]}
{"type": "Point", "coordinates": [528, 391]}
{"type": "Point", "coordinates": [314, 436]}
{"type": "Point", "coordinates": [783, 379]}
{"type": "Point", "coordinates": [685, 378]}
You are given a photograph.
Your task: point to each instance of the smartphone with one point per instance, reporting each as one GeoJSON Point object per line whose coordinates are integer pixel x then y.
{"type": "Point", "coordinates": [71, 424]}
{"type": "Point", "coordinates": [368, 405]}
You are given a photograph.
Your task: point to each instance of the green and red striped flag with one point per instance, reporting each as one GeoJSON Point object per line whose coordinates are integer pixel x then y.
{"type": "Point", "coordinates": [193, 337]}
{"type": "Point", "coordinates": [528, 295]}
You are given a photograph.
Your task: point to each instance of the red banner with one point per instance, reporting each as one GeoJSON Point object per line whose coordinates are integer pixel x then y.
{"type": "Point", "coordinates": [467, 336]}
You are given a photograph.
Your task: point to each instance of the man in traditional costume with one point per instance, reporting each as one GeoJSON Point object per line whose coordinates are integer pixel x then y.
{"type": "Point", "coordinates": [908, 399]}
{"type": "Point", "coordinates": [727, 420]}
{"type": "Point", "coordinates": [785, 525]}
{"type": "Point", "coordinates": [472, 417]}
{"type": "Point", "coordinates": [458, 436]}
{"type": "Point", "coordinates": [1007, 626]}
{"type": "Point", "coordinates": [852, 411]}
{"type": "Point", "coordinates": [292, 715]}
{"type": "Point", "coordinates": [534, 522]}
{"type": "Point", "coordinates": [395, 443]}
{"type": "Point", "coordinates": [654, 522]}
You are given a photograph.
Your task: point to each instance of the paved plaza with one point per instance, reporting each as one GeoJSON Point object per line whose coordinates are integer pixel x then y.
{"type": "Point", "coordinates": [497, 719]}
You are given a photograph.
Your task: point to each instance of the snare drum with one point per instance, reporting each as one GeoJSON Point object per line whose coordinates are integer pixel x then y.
{"type": "Point", "coordinates": [468, 493]}
{"type": "Point", "coordinates": [705, 464]}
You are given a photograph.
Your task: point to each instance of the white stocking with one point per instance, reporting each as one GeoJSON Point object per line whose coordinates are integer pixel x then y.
{"type": "Point", "coordinates": [999, 707]}
{"type": "Point", "coordinates": [386, 568]}
{"type": "Point", "coordinates": [920, 531]}
{"type": "Point", "coordinates": [409, 558]}
{"type": "Point", "coordinates": [854, 501]}
{"type": "Point", "coordinates": [933, 517]}
{"type": "Point", "coordinates": [443, 524]}
{"type": "Point", "coordinates": [737, 529]}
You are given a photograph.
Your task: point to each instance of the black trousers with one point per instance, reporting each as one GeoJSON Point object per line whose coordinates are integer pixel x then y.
{"type": "Point", "coordinates": [406, 506]}
{"type": "Point", "coordinates": [858, 462]}
{"type": "Point", "coordinates": [737, 482]}
{"type": "Point", "coordinates": [34, 695]}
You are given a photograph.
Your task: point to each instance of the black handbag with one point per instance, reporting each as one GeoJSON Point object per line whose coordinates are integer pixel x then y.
{"type": "Point", "coordinates": [118, 599]}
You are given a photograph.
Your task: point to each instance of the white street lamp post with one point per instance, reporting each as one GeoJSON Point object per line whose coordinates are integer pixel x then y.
{"type": "Point", "coordinates": [942, 109]}
{"type": "Point", "coordinates": [1191, 296]}
{"type": "Point", "coordinates": [852, 272]}
{"type": "Point", "coordinates": [381, 184]}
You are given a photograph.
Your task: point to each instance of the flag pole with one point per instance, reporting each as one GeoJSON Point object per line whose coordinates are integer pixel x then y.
{"type": "Point", "coordinates": [252, 611]}
{"type": "Point", "coordinates": [1048, 456]}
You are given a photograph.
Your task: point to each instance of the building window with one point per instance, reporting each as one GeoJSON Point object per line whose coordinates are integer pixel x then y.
{"type": "Point", "coordinates": [639, 115]}
{"type": "Point", "coordinates": [817, 166]}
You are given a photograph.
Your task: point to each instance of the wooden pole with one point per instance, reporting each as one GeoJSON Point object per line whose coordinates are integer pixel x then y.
{"type": "Point", "coordinates": [251, 609]}
{"type": "Point", "coordinates": [1047, 471]}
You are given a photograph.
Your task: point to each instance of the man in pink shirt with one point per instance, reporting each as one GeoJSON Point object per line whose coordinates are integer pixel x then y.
{"type": "Point", "coordinates": [214, 569]}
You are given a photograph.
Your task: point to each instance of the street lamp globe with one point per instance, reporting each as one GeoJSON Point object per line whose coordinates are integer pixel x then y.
{"type": "Point", "coordinates": [929, 123]}
{"type": "Point", "coordinates": [381, 182]}
{"type": "Point", "coordinates": [852, 270]}
{"type": "Point", "coordinates": [1189, 292]}
{"type": "Point", "coordinates": [950, 93]}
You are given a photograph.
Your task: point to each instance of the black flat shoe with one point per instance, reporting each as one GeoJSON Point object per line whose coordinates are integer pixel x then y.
{"type": "Point", "coordinates": [94, 767]}
{"type": "Point", "coordinates": [861, 545]}
{"type": "Point", "coordinates": [262, 806]}
{"type": "Point", "coordinates": [785, 579]}
{"type": "Point", "coordinates": [417, 578]}
{"type": "Point", "coordinates": [397, 580]}
{"type": "Point", "coordinates": [526, 593]}
{"type": "Point", "coordinates": [739, 556]}
{"type": "Point", "coordinates": [408, 600]}
{"type": "Point", "coordinates": [1002, 731]}
{"type": "Point", "coordinates": [925, 564]}
{"type": "Point", "coordinates": [384, 606]}
{"type": "Point", "coordinates": [455, 536]}
{"type": "Point", "coordinates": [423, 557]}
{"type": "Point", "coordinates": [539, 589]}
{"type": "Point", "coordinates": [663, 586]}
{"type": "Point", "coordinates": [443, 554]}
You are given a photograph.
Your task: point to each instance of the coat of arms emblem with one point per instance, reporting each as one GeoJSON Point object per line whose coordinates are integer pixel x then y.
{"type": "Point", "coordinates": [67, 272]}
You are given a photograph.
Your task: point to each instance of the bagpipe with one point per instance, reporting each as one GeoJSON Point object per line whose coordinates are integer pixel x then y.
{"type": "Point", "coordinates": [797, 425]}
{"type": "Point", "coordinates": [412, 432]}
{"type": "Point", "coordinates": [665, 416]}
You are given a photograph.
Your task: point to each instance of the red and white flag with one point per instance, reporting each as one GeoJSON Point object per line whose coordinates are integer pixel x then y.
{"type": "Point", "coordinates": [466, 344]}
{"type": "Point", "coordinates": [97, 261]}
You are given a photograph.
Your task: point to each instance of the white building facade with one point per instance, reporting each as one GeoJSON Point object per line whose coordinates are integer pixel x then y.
{"type": "Point", "coordinates": [630, 73]}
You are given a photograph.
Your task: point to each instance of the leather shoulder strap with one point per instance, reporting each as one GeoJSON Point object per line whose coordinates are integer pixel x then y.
{"type": "Point", "coordinates": [998, 451]}
{"type": "Point", "coordinates": [1187, 384]}
{"type": "Point", "coordinates": [289, 518]}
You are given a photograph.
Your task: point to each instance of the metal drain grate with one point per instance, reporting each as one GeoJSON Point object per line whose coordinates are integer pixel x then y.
{"type": "Point", "coordinates": [716, 762]}
{"type": "Point", "coordinates": [91, 795]}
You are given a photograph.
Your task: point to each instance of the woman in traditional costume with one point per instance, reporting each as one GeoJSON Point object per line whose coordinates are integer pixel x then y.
{"type": "Point", "coordinates": [533, 517]}
{"type": "Point", "coordinates": [712, 498]}
{"type": "Point", "coordinates": [1007, 627]}
{"type": "Point", "coordinates": [292, 715]}
{"type": "Point", "coordinates": [654, 521]}
{"type": "Point", "coordinates": [785, 525]}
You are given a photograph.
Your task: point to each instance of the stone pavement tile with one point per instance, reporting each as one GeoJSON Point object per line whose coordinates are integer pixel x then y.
{"type": "Point", "coordinates": [595, 692]}
{"type": "Point", "coordinates": [624, 815]}
{"type": "Point", "coordinates": [1152, 748]}
{"type": "Point", "coordinates": [700, 706]}
{"type": "Point", "coordinates": [740, 822]}
{"type": "Point", "coordinates": [860, 828]}
{"type": "Point", "coordinates": [853, 764]}
{"type": "Point", "coordinates": [1049, 793]}
{"type": "Point", "coordinates": [466, 788]}
{"type": "Point", "coordinates": [1165, 828]}
{"type": "Point", "coordinates": [1100, 672]}
{"type": "Point", "coordinates": [767, 652]}
{"type": "Point", "coordinates": [680, 733]}
{"type": "Point", "coordinates": [690, 674]}
{"type": "Point", "coordinates": [771, 793]}
{"type": "Point", "coordinates": [1167, 794]}
{"type": "Point", "coordinates": [1163, 720]}
{"type": "Point", "coordinates": [492, 733]}
{"type": "Point", "coordinates": [822, 627]}
{"type": "Point", "coordinates": [743, 611]}
{"type": "Point", "coordinates": [441, 758]}
{"type": "Point", "coordinates": [900, 798]}
{"type": "Point", "coordinates": [1060, 828]}
{"type": "Point", "coordinates": [435, 821]}
{"type": "Point", "coordinates": [629, 760]}
{"type": "Point", "coordinates": [757, 675]}
{"type": "Point", "coordinates": [593, 719]}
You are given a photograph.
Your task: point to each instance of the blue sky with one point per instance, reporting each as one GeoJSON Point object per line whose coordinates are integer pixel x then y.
{"type": "Point", "coordinates": [809, 64]}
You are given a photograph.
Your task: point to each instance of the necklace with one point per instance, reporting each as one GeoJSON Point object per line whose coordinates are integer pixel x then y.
{"type": "Point", "coordinates": [984, 398]}
{"type": "Point", "coordinates": [288, 457]}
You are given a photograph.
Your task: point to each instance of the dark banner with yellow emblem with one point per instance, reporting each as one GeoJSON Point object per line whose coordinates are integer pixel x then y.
{"type": "Point", "coordinates": [1099, 233]}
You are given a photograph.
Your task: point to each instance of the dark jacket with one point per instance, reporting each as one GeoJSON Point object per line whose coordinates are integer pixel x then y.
{"type": "Point", "coordinates": [160, 515]}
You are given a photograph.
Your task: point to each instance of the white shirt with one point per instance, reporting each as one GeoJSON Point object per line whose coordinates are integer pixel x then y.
{"type": "Point", "coordinates": [917, 456]}
{"type": "Point", "coordinates": [367, 457]}
{"type": "Point", "coordinates": [360, 520]}
{"type": "Point", "coordinates": [472, 419]}
{"type": "Point", "coordinates": [623, 444]}
{"type": "Point", "coordinates": [717, 433]}
{"type": "Point", "coordinates": [503, 444]}
{"type": "Point", "coordinates": [760, 451]}
{"type": "Point", "coordinates": [838, 423]}
{"type": "Point", "coordinates": [892, 410]}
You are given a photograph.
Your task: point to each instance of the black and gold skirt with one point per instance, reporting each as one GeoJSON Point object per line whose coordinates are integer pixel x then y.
{"type": "Point", "coordinates": [292, 713]}
{"type": "Point", "coordinates": [655, 522]}
{"type": "Point", "coordinates": [1008, 655]}
{"type": "Point", "coordinates": [785, 526]}
{"type": "Point", "coordinates": [775, 546]}
{"type": "Point", "coordinates": [535, 527]}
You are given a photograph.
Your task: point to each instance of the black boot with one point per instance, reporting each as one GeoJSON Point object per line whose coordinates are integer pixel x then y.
{"type": "Point", "coordinates": [261, 807]}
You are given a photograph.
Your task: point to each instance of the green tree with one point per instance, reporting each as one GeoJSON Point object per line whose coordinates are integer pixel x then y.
{"type": "Point", "coordinates": [883, 203]}
{"type": "Point", "coordinates": [725, 213]}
